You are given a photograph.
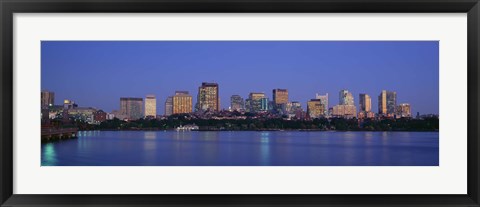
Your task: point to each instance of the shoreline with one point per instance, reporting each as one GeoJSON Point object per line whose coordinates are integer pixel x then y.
{"type": "Point", "coordinates": [261, 130]}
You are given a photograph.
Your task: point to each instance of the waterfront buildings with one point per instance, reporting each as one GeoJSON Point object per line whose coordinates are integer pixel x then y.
{"type": "Point", "coordinates": [344, 111]}
{"type": "Point", "coordinates": [365, 102]}
{"type": "Point", "coordinates": [69, 104]}
{"type": "Point", "coordinates": [387, 101]}
{"type": "Point", "coordinates": [315, 108]}
{"type": "Point", "coordinates": [131, 108]}
{"type": "Point", "coordinates": [237, 103]}
{"type": "Point", "coordinates": [280, 96]}
{"type": "Point", "coordinates": [182, 103]}
{"type": "Point", "coordinates": [47, 99]}
{"type": "Point", "coordinates": [346, 98]}
{"type": "Point", "coordinates": [208, 98]}
{"type": "Point", "coordinates": [99, 116]}
{"type": "Point", "coordinates": [346, 107]}
{"type": "Point", "coordinates": [150, 106]}
{"type": "Point", "coordinates": [404, 110]}
{"type": "Point", "coordinates": [254, 102]}
{"type": "Point", "coordinates": [169, 106]}
{"type": "Point", "coordinates": [86, 114]}
{"type": "Point", "coordinates": [323, 100]}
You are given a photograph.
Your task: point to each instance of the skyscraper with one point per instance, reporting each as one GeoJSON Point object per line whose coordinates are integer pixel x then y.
{"type": "Point", "coordinates": [150, 106]}
{"type": "Point", "coordinates": [254, 102]}
{"type": "Point", "coordinates": [132, 108]}
{"type": "Point", "coordinates": [169, 106]}
{"type": "Point", "coordinates": [346, 98]}
{"type": "Point", "coordinates": [280, 96]}
{"type": "Point", "coordinates": [404, 110]}
{"type": "Point", "coordinates": [47, 99]}
{"type": "Point", "coordinates": [182, 102]}
{"type": "Point", "coordinates": [208, 98]}
{"type": "Point", "coordinates": [365, 102]}
{"type": "Point", "coordinates": [323, 100]}
{"type": "Point", "coordinates": [236, 103]}
{"type": "Point", "coordinates": [346, 107]}
{"type": "Point", "coordinates": [387, 101]}
{"type": "Point", "coordinates": [315, 108]}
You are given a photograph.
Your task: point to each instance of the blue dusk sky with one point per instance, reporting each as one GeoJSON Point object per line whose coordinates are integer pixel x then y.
{"type": "Point", "coordinates": [97, 73]}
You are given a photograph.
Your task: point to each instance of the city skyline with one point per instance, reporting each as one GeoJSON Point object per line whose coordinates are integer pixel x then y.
{"type": "Point", "coordinates": [420, 89]}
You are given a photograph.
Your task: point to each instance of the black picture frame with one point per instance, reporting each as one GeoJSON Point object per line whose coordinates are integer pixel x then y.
{"type": "Point", "coordinates": [9, 7]}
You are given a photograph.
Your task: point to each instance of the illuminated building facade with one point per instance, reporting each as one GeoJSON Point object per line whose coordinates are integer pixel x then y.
{"type": "Point", "coordinates": [404, 110]}
{"type": "Point", "coordinates": [150, 106]}
{"type": "Point", "coordinates": [254, 102]}
{"type": "Point", "coordinates": [315, 108]}
{"type": "Point", "coordinates": [280, 96]}
{"type": "Point", "coordinates": [47, 99]}
{"type": "Point", "coordinates": [365, 102]}
{"type": "Point", "coordinates": [387, 102]}
{"type": "Point", "coordinates": [208, 98]}
{"type": "Point", "coordinates": [344, 111]}
{"type": "Point", "coordinates": [346, 98]}
{"type": "Point", "coordinates": [323, 100]}
{"type": "Point", "coordinates": [131, 108]}
{"type": "Point", "coordinates": [236, 103]}
{"type": "Point", "coordinates": [182, 102]}
{"type": "Point", "coordinates": [169, 106]}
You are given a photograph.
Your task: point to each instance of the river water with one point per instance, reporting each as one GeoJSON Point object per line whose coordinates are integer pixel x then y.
{"type": "Point", "coordinates": [244, 148]}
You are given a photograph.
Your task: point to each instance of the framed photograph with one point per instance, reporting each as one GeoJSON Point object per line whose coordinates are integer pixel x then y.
{"type": "Point", "coordinates": [239, 103]}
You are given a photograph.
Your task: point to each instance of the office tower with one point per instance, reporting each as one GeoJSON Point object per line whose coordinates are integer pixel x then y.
{"type": "Point", "coordinates": [365, 102]}
{"type": "Point", "coordinates": [387, 101]}
{"type": "Point", "coordinates": [346, 98]}
{"type": "Point", "coordinates": [315, 108]}
{"type": "Point", "coordinates": [208, 98]}
{"type": "Point", "coordinates": [323, 100]}
{"type": "Point", "coordinates": [182, 102]}
{"type": "Point", "coordinates": [132, 108]}
{"type": "Point", "coordinates": [280, 96]}
{"type": "Point", "coordinates": [265, 104]}
{"type": "Point", "coordinates": [236, 103]}
{"type": "Point", "coordinates": [150, 106]}
{"type": "Point", "coordinates": [169, 106]}
{"type": "Point", "coordinates": [254, 102]}
{"type": "Point", "coordinates": [344, 111]}
{"type": "Point", "coordinates": [404, 110]}
{"type": "Point", "coordinates": [47, 99]}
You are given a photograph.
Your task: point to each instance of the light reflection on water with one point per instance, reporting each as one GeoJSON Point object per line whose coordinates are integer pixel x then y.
{"type": "Point", "coordinates": [243, 148]}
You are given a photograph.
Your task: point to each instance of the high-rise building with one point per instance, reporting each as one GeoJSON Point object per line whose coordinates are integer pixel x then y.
{"type": "Point", "coordinates": [169, 106]}
{"type": "Point", "coordinates": [345, 111]}
{"type": "Point", "coordinates": [150, 106]}
{"type": "Point", "coordinates": [47, 99]}
{"type": "Point", "coordinates": [315, 108]}
{"type": "Point", "coordinates": [365, 102]}
{"type": "Point", "coordinates": [254, 102]}
{"type": "Point", "coordinates": [346, 98]}
{"type": "Point", "coordinates": [280, 96]}
{"type": "Point", "coordinates": [265, 105]}
{"type": "Point", "coordinates": [236, 103]}
{"type": "Point", "coordinates": [323, 100]}
{"type": "Point", "coordinates": [182, 102]}
{"type": "Point", "coordinates": [208, 98]}
{"type": "Point", "coordinates": [132, 108]}
{"type": "Point", "coordinates": [404, 110]}
{"type": "Point", "coordinates": [387, 101]}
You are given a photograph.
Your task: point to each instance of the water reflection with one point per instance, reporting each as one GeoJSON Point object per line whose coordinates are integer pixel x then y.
{"type": "Point", "coordinates": [49, 157]}
{"type": "Point", "coordinates": [246, 148]}
{"type": "Point", "coordinates": [265, 148]}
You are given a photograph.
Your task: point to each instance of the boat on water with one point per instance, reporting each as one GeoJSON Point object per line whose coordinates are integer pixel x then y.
{"type": "Point", "coordinates": [187, 128]}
